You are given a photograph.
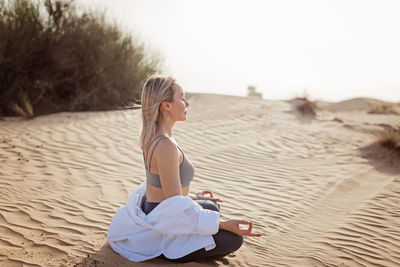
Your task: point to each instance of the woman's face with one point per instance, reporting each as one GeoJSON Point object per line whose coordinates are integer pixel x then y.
{"type": "Point", "coordinates": [179, 104]}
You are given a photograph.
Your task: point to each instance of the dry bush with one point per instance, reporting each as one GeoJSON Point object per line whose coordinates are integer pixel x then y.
{"type": "Point", "coordinates": [383, 109]}
{"type": "Point", "coordinates": [390, 138]}
{"type": "Point", "coordinates": [53, 59]}
{"type": "Point", "coordinates": [305, 107]}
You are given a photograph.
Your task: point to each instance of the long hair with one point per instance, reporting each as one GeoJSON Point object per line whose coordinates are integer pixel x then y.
{"type": "Point", "coordinates": [156, 89]}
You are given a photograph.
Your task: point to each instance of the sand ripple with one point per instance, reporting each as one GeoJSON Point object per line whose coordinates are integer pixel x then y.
{"type": "Point", "coordinates": [304, 185]}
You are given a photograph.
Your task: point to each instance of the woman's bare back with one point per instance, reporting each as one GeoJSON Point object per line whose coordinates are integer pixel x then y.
{"type": "Point", "coordinates": [154, 194]}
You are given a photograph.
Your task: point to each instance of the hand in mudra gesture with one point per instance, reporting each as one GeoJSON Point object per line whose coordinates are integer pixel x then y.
{"type": "Point", "coordinates": [203, 195]}
{"type": "Point", "coordinates": [239, 227]}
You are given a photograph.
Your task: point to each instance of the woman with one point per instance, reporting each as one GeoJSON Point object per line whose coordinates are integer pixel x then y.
{"type": "Point", "coordinates": [160, 218]}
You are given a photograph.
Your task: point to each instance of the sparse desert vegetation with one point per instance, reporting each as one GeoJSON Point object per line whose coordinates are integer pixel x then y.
{"type": "Point", "coordinates": [390, 138]}
{"type": "Point", "coordinates": [383, 108]}
{"type": "Point", "coordinates": [53, 58]}
{"type": "Point", "coordinates": [305, 107]}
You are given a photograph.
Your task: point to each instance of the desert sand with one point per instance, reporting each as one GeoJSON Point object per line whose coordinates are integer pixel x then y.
{"type": "Point", "coordinates": [318, 188]}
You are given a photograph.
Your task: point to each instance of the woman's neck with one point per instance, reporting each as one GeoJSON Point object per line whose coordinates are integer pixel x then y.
{"type": "Point", "coordinates": [164, 128]}
{"type": "Point", "coordinates": [164, 125]}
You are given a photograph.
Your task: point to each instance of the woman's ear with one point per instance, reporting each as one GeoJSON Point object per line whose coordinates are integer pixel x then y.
{"type": "Point", "coordinates": [165, 105]}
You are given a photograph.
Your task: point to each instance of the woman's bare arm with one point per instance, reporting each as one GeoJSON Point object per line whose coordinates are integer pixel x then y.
{"type": "Point", "coordinates": [167, 158]}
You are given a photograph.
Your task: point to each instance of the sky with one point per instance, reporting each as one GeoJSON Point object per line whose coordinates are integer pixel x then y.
{"type": "Point", "coordinates": [331, 50]}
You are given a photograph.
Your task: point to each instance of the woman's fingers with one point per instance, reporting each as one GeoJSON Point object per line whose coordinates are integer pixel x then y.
{"type": "Point", "coordinates": [255, 234]}
{"type": "Point", "coordinates": [208, 192]}
{"type": "Point", "coordinates": [248, 231]}
{"type": "Point", "coordinates": [242, 222]}
{"type": "Point", "coordinates": [215, 199]}
{"type": "Point", "coordinates": [211, 197]}
{"type": "Point", "coordinates": [240, 227]}
{"type": "Point", "coordinates": [205, 193]}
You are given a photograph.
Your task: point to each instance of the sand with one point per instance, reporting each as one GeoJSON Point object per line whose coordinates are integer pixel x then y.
{"type": "Point", "coordinates": [318, 189]}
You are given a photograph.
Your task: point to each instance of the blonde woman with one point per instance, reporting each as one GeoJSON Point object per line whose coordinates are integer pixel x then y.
{"type": "Point", "coordinates": [160, 218]}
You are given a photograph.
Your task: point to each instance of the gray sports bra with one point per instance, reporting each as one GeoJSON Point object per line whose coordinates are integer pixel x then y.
{"type": "Point", "coordinates": [186, 170]}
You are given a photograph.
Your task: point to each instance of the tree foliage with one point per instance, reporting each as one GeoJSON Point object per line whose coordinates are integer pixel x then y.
{"type": "Point", "coordinates": [53, 58]}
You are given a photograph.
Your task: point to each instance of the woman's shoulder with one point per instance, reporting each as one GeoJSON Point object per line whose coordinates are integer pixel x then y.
{"type": "Point", "coordinates": [166, 147]}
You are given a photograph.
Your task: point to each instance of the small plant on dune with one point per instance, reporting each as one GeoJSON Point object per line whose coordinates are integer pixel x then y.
{"type": "Point", "coordinates": [390, 138]}
{"type": "Point", "coordinates": [383, 109]}
{"type": "Point", "coordinates": [305, 107]}
{"type": "Point", "coordinates": [53, 58]}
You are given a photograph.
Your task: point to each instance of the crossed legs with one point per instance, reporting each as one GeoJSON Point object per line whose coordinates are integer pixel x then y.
{"type": "Point", "coordinates": [226, 242]}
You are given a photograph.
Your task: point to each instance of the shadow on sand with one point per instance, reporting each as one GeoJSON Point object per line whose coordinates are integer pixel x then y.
{"type": "Point", "coordinates": [382, 159]}
{"type": "Point", "coordinates": [107, 257]}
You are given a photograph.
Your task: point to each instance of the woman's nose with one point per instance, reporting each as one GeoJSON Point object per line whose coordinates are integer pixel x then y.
{"type": "Point", "coordinates": [187, 103]}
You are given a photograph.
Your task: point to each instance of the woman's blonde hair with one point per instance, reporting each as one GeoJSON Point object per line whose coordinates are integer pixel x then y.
{"type": "Point", "coordinates": [156, 89]}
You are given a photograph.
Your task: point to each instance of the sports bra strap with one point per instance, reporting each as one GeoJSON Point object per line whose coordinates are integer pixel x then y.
{"type": "Point", "coordinates": [154, 147]}
{"type": "Point", "coordinates": [147, 155]}
{"type": "Point", "coordinates": [183, 154]}
{"type": "Point", "coordinates": [152, 141]}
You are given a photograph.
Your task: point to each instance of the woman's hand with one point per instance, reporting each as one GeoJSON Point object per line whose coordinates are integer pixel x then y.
{"type": "Point", "coordinates": [236, 227]}
{"type": "Point", "coordinates": [202, 195]}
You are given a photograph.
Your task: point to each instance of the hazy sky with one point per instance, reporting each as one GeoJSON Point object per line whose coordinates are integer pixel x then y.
{"type": "Point", "coordinates": [333, 49]}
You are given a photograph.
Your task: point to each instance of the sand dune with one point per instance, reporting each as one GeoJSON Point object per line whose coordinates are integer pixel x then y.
{"type": "Point", "coordinates": [354, 104]}
{"type": "Point", "coordinates": [321, 194]}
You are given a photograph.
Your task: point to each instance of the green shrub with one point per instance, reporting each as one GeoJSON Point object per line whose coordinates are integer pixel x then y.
{"type": "Point", "coordinates": [53, 59]}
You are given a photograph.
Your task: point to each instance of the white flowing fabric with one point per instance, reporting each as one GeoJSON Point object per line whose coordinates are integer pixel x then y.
{"type": "Point", "coordinates": [175, 228]}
